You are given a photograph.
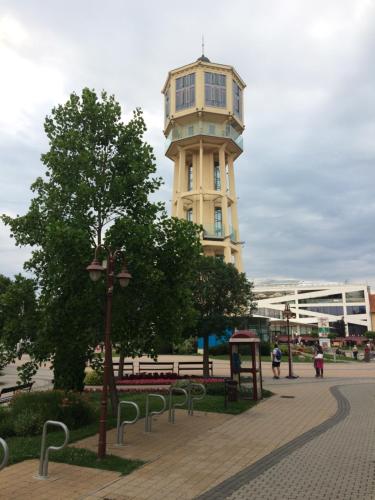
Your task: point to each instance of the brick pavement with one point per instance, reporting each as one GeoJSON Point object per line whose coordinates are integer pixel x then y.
{"type": "Point", "coordinates": [337, 464]}
{"type": "Point", "coordinates": [200, 452]}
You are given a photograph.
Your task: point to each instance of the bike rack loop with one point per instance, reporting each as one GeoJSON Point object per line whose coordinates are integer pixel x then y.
{"type": "Point", "coordinates": [43, 463]}
{"type": "Point", "coordinates": [195, 398]}
{"type": "Point", "coordinates": [148, 416]}
{"type": "Point", "coordinates": [172, 407]}
{"type": "Point", "coordinates": [4, 462]}
{"type": "Point", "coordinates": [121, 425]}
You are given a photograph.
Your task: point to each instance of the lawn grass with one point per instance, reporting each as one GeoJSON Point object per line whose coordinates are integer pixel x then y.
{"type": "Point", "coordinates": [24, 448]}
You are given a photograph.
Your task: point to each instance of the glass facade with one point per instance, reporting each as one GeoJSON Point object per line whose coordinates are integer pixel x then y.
{"type": "Point", "coordinates": [321, 300]}
{"type": "Point", "coordinates": [358, 296]}
{"type": "Point", "coordinates": [190, 178]}
{"type": "Point", "coordinates": [218, 222]}
{"type": "Point", "coordinates": [356, 309]}
{"type": "Point", "coordinates": [185, 92]}
{"type": "Point", "coordinates": [215, 90]}
{"type": "Point", "coordinates": [237, 100]}
{"type": "Point", "coordinates": [335, 310]}
{"type": "Point", "coordinates": [217, 180]}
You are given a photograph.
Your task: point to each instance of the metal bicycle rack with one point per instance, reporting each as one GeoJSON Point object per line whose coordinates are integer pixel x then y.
{"type": "Point", "coordinates": [192, 398]}
{"type": "Point", "coordinates": [172, 407]}
{"type": "Point", "coordinates": [121, 425]}
{"type": "Point", "coordinates": [43, 463]}
{"type": "Point", "coordinates": [148, 416]}
{"type": "Point", "coordinates": [4, 462]}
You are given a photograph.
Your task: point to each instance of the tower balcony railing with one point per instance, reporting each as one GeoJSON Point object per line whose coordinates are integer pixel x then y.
{"type": "Point", "coordinates": [217, 232]}
{"type": "Point", "coordinates": [198, 128]}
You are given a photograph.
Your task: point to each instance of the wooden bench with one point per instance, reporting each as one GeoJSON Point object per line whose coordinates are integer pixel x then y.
{"type": "Point", "coordinates": [11, 391]}
{"type": "Point", "coordinates": [194, 365]}
{"type": "Point", "coordinates": [151, 366]}
{"type": "Point", "coordinates": [128, 367]}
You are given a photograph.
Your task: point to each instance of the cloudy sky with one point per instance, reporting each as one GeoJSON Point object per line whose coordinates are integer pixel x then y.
{"type": "Point", "coordinates": [306, 179]}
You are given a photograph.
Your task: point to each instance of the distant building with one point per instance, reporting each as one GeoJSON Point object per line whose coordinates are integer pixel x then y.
{"type": "Point", "coordinates": [315, 304]}
{"type": "Point", "coordinates": [203, 128]}
{"type": "Point", "coordinates": [372, 311]}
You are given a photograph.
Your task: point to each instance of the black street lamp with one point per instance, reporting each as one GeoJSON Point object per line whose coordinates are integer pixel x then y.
{"type": "Point", "coordinates": [287, 314]}
{"type": "Point", "coordinates": [95, 270]}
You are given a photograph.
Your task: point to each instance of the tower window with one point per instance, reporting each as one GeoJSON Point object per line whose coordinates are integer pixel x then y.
{"type": "Point", "coordinates": [189, 215]}
{"type": "Point", "coordinates": [218, 222]}
{"type": "Point", "coordinates": [185, 91]}
{"type": "Point", "coordinates": [237, 100]}
{"type": "Point", "coordinates": [217, 179]}
{"type": "Point", "coordinates": [215, 90]}
{"type": "Point", "coordinates": [190, 178]}
{"type": "Point", "coordinates": [167, 104]}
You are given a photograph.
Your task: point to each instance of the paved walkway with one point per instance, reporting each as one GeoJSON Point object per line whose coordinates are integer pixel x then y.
{"type": "Point", "coordinates": [305, 432]}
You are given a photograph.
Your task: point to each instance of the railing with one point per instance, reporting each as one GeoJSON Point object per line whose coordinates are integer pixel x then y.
{"type": "Point", "coordinates": [217, 232]}
{"type": "Point", "coordinates": [148, 416]}
{"type": "Point", "coordinates": [44, 453]}
{"type": "Point", "coordinates": [192, 398]}
{"type": "Point", "coordinates": [204, 128]}
{"type": "Point", "coordinates": [4, 462]}
{"type": "Point", "coordinates": [172, 407]}
{"type": "Point", "coordinates": [121, 425]}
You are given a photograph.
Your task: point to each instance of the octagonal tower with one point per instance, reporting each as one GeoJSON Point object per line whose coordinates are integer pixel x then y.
{"type": "Point", "coordinates": [203, 128]}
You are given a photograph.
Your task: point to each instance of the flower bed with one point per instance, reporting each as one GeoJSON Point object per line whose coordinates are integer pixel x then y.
{"type": "Point", "coordinates": [155, 381]}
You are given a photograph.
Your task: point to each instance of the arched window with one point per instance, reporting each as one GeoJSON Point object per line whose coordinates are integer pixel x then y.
{"type": "Point", "coordinates": [189, 215]}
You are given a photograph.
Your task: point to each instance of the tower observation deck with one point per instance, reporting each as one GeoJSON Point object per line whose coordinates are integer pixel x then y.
{"type": "Point", "coordinates": [203, 129]}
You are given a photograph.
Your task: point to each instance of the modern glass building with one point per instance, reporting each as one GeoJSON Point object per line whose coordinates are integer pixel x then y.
{"type": "Point", "coordinates": [316, 304]}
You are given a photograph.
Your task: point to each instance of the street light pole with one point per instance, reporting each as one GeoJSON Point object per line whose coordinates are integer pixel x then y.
{"type": "Point", "coordinates": [287, 314]}
{"type": "Point", "coordinates": [95, 270]}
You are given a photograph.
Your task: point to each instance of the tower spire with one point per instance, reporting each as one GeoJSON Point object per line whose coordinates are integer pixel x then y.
{"type": "Point", "coordinates": [202, 45]}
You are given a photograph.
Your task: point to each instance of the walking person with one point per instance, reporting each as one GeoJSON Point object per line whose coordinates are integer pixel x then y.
{"type": "Point", "coordinates": [319, 362]}
{"type": "Point", "coordinates": [276, 360]}
{"type": "Point", "coordinates": [355, 352]}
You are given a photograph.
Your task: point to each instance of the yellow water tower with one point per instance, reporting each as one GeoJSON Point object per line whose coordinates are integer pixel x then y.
{"type": "Point", "coordinates": [203, 127]}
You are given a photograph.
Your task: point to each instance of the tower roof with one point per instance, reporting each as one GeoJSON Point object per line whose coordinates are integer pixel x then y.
{"type": "Point", "coordinates": [203, 58]}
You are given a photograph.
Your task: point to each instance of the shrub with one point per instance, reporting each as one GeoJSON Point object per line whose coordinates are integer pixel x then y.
{"type": "Point", "coordinates": [6, 423]}
{"type": "Point", "coordinates": [94, 378]}
{"type": "Point", "coordinates": [265, 349]}
{"type": "Point", "coordinates": [28, 423]}
{"type": "Point", "coordinates": [220, 349]}
{"type": "Point", "coordinates": [71, 408]}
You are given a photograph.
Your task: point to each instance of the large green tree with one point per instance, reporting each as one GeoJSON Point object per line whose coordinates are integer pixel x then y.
{"type": "Point", "coordinates": [222, 298]}
{"type": "Point", "coordinates": [99, 176]}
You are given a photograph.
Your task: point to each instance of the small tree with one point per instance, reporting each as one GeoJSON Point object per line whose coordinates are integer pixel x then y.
{"type": "Point", "coordinates": [339, 327]}
{"type": "Point", "coordinates": [221, 295]}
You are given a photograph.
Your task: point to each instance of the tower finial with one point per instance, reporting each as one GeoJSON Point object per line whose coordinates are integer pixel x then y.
{"type": "Point", "coordinates": [202, 45]}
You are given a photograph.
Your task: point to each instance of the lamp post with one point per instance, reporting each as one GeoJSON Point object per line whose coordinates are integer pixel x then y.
{"type": "Point", "coordinates": [95, 270]}
{"type": "Point", "coordinates": [287, 314]}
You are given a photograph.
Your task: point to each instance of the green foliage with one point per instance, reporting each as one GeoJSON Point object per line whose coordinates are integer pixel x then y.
{"type": "Point", "coordinates": [265, 349]}
{"type": "Point", "coordinates": [222, 298]}
{"type": "Point", "coordinates": [339, 328]}
{"type": "Point", "coordinates": [94, 378]}
{"type": "Point", "coordinates": [219, 350]}
{"type": "Point", "coordinates": [97, 363]}
{"type": "Point", "coordinates": [26, 372]}
{"type": "Point", "coordinates": [186, 346]}
{"type": "Point", "coordinates": [99, 176]}
{"type": "Point", "coordinates": [6, 423]}
{"type": "Point", "coordinates": [37, 407]}
{"type": "Point", "coordinates": [28, 423]}
{"type": "Point", "coordinates": [370, 335]}
{"type": "Point", "coordinates": [6, 356]}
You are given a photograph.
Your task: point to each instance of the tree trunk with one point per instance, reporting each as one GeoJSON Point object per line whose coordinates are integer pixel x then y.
{"type": "Point", "coordinates": [206, 368]}
{"type": "Point", "coordinates": [121, 366]}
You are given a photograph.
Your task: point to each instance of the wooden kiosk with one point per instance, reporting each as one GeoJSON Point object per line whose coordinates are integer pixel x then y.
{"type": "Point", "coordinates": [251, 342]}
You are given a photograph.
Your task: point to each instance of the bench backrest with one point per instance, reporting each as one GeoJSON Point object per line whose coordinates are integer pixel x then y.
{"type": "Point", "coordinates": [128, 366]}
{"type": "Point", "coordinates": [156, 365]}
{"type": "Point", "coordinates": [16, 388]}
